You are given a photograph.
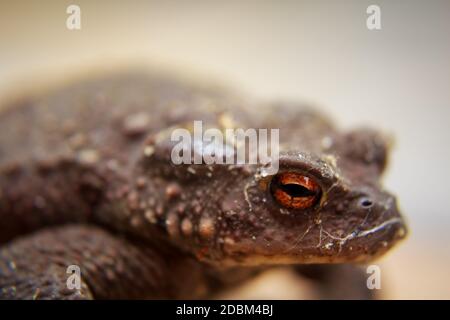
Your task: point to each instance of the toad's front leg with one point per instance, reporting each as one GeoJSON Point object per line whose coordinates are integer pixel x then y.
{"type": "Point", "coordinates": [36, 266]}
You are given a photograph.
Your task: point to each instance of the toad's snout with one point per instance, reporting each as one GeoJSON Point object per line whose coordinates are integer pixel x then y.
{"type": "Point", "coordinates": [383, 227]}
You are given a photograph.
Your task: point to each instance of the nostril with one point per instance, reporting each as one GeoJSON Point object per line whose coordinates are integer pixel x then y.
{"type": "Point", "coordinates": [366, 203]}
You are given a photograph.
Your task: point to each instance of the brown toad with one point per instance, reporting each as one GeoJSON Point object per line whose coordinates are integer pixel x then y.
{"type": "Point", "coordinates": [86, 179]}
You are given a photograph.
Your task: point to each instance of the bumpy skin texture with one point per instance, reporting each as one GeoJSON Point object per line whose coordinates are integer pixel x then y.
{"type": "Point", "coordinates": [95, 157]}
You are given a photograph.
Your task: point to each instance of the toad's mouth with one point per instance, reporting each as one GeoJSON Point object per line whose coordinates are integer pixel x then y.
{"type": "Point", "coordinates": [360, 246]}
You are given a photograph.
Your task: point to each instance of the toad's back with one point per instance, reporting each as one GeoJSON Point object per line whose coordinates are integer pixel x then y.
{"type": "Point", "coordinates": [98, 114]}
{"type": "Point", "coordinates": [115, 112]}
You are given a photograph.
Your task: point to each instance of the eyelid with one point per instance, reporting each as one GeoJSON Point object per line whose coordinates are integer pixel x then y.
{"type": "Point", "coordinates": [297, 179]}
{"type": "Point", "coordinates": [322, 169]}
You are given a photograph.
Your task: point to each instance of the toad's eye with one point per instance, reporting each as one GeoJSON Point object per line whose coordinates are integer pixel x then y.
{"type": "Point", "coordinates": [294, 190]}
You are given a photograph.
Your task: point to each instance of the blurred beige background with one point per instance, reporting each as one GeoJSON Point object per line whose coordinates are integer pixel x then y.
{"type": "Point", "coordinates": [397, 78]}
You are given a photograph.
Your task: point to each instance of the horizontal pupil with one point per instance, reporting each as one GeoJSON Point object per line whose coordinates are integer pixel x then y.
{"type": "Point", "coordinates": [296, 191]}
